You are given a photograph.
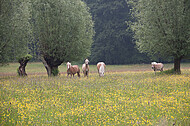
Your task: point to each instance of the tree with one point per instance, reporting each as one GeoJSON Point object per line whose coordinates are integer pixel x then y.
{"type": "Point", "coordinates": [15, 29]}
{"type": "Point", "coordinates": [64, 29]}
{"type": "Point", "coordinates": [23, 62]}
{"type": "Point", "coordinates": [162, 28]}
{"type": "Point", "coordinates": [112, 43]}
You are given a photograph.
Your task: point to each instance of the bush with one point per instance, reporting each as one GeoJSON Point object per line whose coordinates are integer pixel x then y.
{"type": "Point", "coordinates": [25, 58]}
{"type": "Point", "coordinates": [55, 72]}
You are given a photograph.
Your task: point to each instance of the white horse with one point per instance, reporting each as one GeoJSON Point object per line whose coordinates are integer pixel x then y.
{"type": "Point", "coordinates": [101, 68]}
{"type": "Point", "coordinates": [157, 66]}
{"type": "Point", "coordinates": [85, 68]}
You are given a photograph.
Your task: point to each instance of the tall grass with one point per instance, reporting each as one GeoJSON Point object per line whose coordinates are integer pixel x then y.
{"type": "Point", "coordinates": [119, 98]}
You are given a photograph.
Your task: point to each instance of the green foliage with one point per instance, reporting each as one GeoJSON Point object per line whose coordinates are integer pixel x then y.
{"type": "Point", "coordinates": [27, 57]}
{"type": "Point", "coordinates": [15, 29]}
{"type": "Point", "coordinates": [64, 29]}
{"type": "Point", "coordinates": [59, 29]}
{"type": "Point", "coordinates": [161, 28]}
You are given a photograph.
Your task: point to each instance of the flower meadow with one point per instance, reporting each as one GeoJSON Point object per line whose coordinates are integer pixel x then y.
{"type": "Point", "coordinates": [119, 98]}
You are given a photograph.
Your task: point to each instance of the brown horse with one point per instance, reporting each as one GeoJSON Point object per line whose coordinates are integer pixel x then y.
{"type": "Point", "coordinates": [85, 68]}
{"type": "Point", "coordinates": [101, 68]}
{"type": "Point", "coordinates": [72, 70]}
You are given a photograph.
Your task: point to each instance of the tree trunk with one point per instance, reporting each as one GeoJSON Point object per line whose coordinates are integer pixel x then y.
{"type": "Point", "coordinates": [48, 68]}
{"type": "Point", "coordinates": [21, 69]}
{"type": "Point", "coordinates": [54, 70]}
{"type": "Point", "coordinates": [51, 70]}
{"type": "Point", "coordinates": [177, 61]}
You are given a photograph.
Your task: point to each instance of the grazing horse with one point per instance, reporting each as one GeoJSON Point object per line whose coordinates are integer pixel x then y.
{"type": "Point", "coordinates": [101, 68]}
{"type": "Point", "coordinates": [157, 66]}
{"type": "Point", "coordinates": [72, 70]}
{"type": "Point", "coordinates": [85, 68]}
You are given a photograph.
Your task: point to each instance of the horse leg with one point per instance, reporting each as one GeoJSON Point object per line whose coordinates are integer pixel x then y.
{"type": "Point", "coordinates": [161, 69]}
{"type": "Point", "coordinates": [87, 73]}
{"type": "Point", "coordinates": [78, 73]}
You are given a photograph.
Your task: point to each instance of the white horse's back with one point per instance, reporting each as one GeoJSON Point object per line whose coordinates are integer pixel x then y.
{"type": "Point", "coordinates": [157, 66]}
{"type": "Point", "coordinates": [101, 68]}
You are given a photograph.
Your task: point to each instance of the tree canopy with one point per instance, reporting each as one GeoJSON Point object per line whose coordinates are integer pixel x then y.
{"type": "Point", "coordinates": [49, 27]}
{"type": "Point", "coordinates": [64, 29]}
{"type": "Point", "coordinates": [59, 30]}
{"type": "Point", "coordinates": [162, 28]}
{"type": "Point", "coordinates": [15, 29]}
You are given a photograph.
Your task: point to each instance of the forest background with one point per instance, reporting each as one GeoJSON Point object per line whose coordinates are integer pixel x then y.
{"type": "Point", "coordinates": [112, 43]}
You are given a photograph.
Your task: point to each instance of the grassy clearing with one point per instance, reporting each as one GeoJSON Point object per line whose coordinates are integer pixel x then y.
{"type": "Point", "coordinates": [39, 69]}
{"type": "Point", "coordinates": [120, 98]}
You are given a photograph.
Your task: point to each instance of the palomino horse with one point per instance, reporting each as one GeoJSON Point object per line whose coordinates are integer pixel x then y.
{"type": "Point", "coordinates": [85, 68]}
{"type": "Point", "coordinates": [72, 70]}
{"type": "Point", "coordinates": [101, 68]}
{"type": "Point", "coordinates": [157, 66]}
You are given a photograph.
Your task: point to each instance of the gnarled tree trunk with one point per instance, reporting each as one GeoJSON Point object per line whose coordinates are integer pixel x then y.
{"type": "Point", "coordinates": [21, 70]}
{"type": "Point", "coordinates": [49, 67]}
{"type": "Point", "coordinates": [177, 61]}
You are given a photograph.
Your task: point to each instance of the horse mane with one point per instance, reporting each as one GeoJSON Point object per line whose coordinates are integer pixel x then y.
{"type": "Point", "coordinates": [153, 63]}
{"type": "Point", "coordinates": [68, 64]}
{"type": "Point", "coordinates": [86, 61]}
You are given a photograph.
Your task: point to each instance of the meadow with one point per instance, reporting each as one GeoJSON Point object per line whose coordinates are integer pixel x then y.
{"type": "Point", "coordinates": [127, 95]}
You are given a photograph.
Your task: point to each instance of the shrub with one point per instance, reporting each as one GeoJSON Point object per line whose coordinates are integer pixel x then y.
{"type": "Point", "coordinates": [55, 72]}
{"type": "Point", "coordinates": [24, 58]}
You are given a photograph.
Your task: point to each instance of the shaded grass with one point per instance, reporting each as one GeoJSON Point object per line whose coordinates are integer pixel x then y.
{"type": "Point", "coordinates": [120, 98]}
{"type": "Point", "coordinates": [169, 71]}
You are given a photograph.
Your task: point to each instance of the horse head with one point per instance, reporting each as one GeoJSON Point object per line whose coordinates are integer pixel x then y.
{"type": "Point", "coordinates": [153, 64]}
{"type": "Point", "coordinates": [68, 65]}
{"type": "Point", "coordinates": [86, 61]}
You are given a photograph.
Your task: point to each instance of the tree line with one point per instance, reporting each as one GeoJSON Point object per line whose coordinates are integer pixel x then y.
{"type": "Point", "coordinates": [113, 44]}
{"type": "Point", "coordinates": [126, 31]}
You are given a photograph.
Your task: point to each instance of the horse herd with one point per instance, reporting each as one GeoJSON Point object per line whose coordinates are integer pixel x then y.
{"type": "Point", "coordinates": [72, 70]}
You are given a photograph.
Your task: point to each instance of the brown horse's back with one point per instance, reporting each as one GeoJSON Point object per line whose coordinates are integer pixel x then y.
{"type": "Point", "coordinates": [76, 70]}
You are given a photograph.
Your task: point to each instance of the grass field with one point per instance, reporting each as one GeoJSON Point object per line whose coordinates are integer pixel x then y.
{"type": "Point", "coordinates": [127, 95]}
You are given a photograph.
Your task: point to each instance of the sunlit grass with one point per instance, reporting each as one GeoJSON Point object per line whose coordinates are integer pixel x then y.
{"type": "Point", "coordinates": [120, 98]}
{"type": "Point", "coordinates": [110, 99]}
